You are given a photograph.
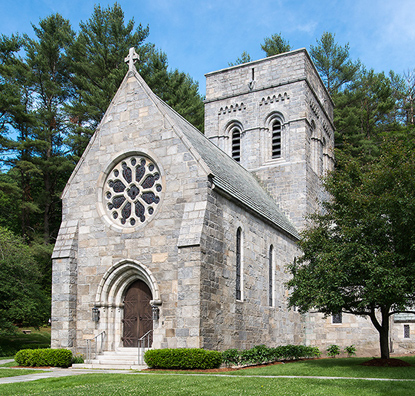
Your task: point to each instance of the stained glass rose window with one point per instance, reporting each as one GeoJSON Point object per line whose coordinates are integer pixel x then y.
{"type": "Point", "coordinates": [132, 191]}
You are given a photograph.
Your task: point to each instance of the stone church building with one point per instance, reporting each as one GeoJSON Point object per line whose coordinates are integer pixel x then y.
{"type": "Point", "coordinates": [181, 239]}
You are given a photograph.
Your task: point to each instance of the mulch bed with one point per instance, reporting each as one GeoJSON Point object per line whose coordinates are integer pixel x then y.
{"type": "Point", "coordinates": [217, 370]}
{"type": "Point", "coordinates": [391, 362]}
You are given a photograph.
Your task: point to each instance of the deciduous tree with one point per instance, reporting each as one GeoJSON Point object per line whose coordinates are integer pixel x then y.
{"type": "Point", "coordinates": [22, 301]}
{"type": "Point", "coordinates": [358, 254]}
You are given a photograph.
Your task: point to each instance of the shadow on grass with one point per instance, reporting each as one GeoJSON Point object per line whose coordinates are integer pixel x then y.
{"type": "Point", "coordinates": [339, 367]}
{"type": "Point", "coordinates": [38, 338]}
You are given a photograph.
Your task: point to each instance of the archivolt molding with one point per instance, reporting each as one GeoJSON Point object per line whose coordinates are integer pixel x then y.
{"type": "Point", "coordinates": [118, 278]}
{"type": "Point", "coordinates": [271, 117]}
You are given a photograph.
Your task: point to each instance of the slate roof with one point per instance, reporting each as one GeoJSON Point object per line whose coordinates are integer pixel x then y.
{"type": "Point", "coordinates": [230, 176]}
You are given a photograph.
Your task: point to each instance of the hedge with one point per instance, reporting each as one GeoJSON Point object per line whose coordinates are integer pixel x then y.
{"type": "Point", "coordinates": [44, 357]}
{"type": "Point", "coordinates": [183, 358]}
{"type": "Point", "coordinates": [11, 350]}
{"type": "Point", "coordinates": [262, 354]}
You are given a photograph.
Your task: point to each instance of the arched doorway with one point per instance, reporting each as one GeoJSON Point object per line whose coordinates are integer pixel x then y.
{"type": "Point", "coordinates": [110, 299]}
{"type": "Point", "coordinates": [138, 320]}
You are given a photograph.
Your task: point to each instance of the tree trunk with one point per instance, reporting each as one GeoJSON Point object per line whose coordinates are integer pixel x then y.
{"type": "Point", "coordinates": [384, 341]}
{"type": "Point", "coordinates": [383, 329]}
{"type": "Point", "coordinates": [46, 214]}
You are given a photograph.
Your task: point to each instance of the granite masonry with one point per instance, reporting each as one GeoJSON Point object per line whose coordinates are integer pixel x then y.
{"type": "Point", "coordinates": [183, 238]}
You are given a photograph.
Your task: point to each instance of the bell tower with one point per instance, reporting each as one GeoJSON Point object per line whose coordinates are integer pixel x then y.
{"type": "Point", "coordinates": [275, 117]}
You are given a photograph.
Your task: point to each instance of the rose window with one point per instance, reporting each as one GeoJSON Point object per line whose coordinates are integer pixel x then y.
{"type": "Point", "coordinates": [132, 191]}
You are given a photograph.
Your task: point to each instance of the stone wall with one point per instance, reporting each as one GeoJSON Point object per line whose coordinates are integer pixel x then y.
{"type": "Point", "coordinates": [286, 87]}
{"type": "Point", "coordinates": [225, 321]}
{"type": "Point", "coordinates": [132, 125]}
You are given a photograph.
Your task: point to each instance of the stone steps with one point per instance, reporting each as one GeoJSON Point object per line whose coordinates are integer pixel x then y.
{"type": "Point", "coordinates": [121, 358]}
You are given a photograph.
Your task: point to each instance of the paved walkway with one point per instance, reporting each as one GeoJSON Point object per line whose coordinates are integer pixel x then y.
{"type": "Point", "coordinates": [59, 372]}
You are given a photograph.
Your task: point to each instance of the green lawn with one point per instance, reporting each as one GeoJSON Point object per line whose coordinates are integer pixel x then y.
{"type": "Point", "coordinates": [340, 367]}
{"type": "Point", "coordinates": [231, 383]}
{"type": "Point", "coordinates": [16, 372]}
{"type": "Point", "coordinates": [171, 385]}
{"type": "Point", "coordinates": [4, 372]}
{"type": "Point", "coordinates": [11, 364]}
{"type": "Point", "coordinates": [343, 367]}
{"type": "Point", "coordinates": [10, 344]}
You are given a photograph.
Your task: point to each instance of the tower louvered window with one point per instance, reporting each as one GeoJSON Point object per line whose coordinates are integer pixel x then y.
{"type": "Point", "coordinates": [276, 139]}
{"type": "Point", "coordinates": [236, 144]}
{"type": "Point", "coordinates": [238, 263]}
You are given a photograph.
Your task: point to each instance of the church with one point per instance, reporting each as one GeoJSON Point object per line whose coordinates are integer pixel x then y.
{"type": "Point", "coordinates": [178, 239]}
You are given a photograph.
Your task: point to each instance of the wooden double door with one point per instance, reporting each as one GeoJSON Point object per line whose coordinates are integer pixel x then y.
{"type": "Point", "coordinates": [138, 320]}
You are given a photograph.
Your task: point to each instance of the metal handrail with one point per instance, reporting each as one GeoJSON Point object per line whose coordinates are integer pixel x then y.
{"type": "Point", "coordinates": [89, 346]}
{"type": "Point", "coordinates": [145, 339]}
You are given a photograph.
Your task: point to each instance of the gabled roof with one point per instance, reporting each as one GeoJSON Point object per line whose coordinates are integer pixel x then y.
{"type": "Point", "coordinates": [228, 175]}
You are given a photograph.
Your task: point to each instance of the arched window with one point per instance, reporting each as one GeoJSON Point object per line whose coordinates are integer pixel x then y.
{"type": "Point", "coordinates": [270, 276]}
{"type": "Point", "coordinates": [236, 144]}
{"type": "Point", "coordinates": [276, 139]}
{"type": "Point", "coordinates": [239, 264]}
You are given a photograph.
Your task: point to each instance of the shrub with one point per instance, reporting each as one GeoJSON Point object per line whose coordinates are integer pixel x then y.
{"type": "Point", "coordinates": [7, 351]}
{"type": "Point", "coordinates": [78, 358]}
{"type": "Point", "coordinates": [23, 357]}
{"type": "Point", "coordinates": [350, 350]}
{"type": "Point", "coordinates": [231, 357]}
{"type": "Point", "coordinates": [34, 346]}
{"type": "Point", "coordinates": [44, 357]}
{"type": "Point", "coordinates": [183, 358]}
{"type": "Point", "coordinates": [333, 350]}
{"type": "Point", "coordinates": [262, 354]}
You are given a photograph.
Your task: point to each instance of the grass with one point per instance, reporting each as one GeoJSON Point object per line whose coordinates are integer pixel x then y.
{"type": "Point", "coordinates": [10, 364]}
{"type": "Point", "coordinates": [4, 373]}
{"type": "Point", "coordinates": [172, 385]}
{"type": "Point", "coordinates": [339, 367]}
{"type": "Point", "coordinates": [10, 344]}
{"type": "Point", "coordinates": [238, 382]}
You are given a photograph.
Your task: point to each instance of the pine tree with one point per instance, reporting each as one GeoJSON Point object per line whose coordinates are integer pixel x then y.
{"type": "Point", "coordinates": [183, 96]}
{"type": "Point", "coordinates": [98, 68]}
{"type": "Point", "coordinates": [17, 118]}
{"type": "Point", "coordinates": [50, 88]}
{"type": "Point", "coordinates": [362, 113]}
{"type": "Point", "coordinates": [333, 63]}
{"type": "Point", "coordinates": [244, 58]}
{"type": "Point", "coordinates": [275, 45]}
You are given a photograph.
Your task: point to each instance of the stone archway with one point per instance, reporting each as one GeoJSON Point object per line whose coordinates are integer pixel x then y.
{"type": "Point", "coordinates": [111, 293]}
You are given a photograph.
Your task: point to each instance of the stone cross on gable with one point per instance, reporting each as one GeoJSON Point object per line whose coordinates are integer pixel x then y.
{"type": "Point", "coordinates": [131, 58]}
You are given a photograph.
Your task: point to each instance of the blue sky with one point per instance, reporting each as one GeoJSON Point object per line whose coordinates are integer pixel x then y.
{"type": "Point", "coordinates": [203, 36]}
